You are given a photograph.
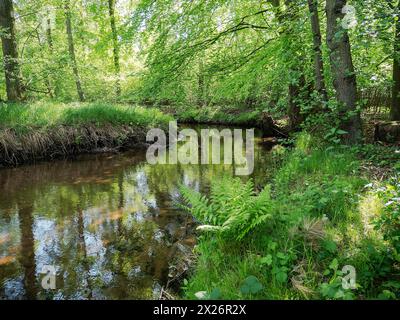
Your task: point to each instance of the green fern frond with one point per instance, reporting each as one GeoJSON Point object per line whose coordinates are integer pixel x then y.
{"type": "Point", "coordinates": [233, 210]}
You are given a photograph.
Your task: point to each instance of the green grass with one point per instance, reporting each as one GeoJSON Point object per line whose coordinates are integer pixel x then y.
{"type": "Point", "coordinates": [44, 130]}
{"type": "Point", "coordinates": [27, 117]}
{"type": "Point", "coordinates": [323, 218]}
{"type": "Point", "coordinates": [216, 115]}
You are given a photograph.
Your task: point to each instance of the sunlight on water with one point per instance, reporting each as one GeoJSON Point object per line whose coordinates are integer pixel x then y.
{"type": "Point", "coordinates": [109, 224]}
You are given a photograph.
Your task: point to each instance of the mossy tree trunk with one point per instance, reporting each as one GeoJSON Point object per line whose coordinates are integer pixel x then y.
{"type": "Point", "coordinates": [71, 49]}
{"type": "Point", "coordinates": [395, 109]}
{"type": "Point", "coordinates": [117, 67]}
{"type": "Point", "coordinates": [344, 77]}
{"type": "Point", "coordinates": [14, 86]}
{"type": "Point", "coordinates": [320, 86]}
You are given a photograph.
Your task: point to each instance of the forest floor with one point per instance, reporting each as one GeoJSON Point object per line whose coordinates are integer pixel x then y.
{"type": "Point", "coordinates": [327, 208]}
{"type": "Point", "coordinates": [43, 131]}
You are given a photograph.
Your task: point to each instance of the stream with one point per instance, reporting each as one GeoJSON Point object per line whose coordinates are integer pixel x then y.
{"type": "Point", "coordinates": [108, 224]}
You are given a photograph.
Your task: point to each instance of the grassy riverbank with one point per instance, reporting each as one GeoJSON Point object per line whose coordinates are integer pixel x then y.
{"type": "Point", "coordinates": [215, 115]}
{"type": "Point", "coordinates": [30, 132]}
{"type": "Point", "coordinates": [326, 208]}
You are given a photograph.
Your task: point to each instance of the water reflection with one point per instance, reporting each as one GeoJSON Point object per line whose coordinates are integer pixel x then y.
{"type": "Point", "coordinates": [108, 223]}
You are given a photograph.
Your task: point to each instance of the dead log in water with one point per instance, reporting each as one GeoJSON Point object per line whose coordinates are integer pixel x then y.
{"type": "Point", "coordinates": [387, 132]}
{"type": "Point", "coordinates": [269, 127]}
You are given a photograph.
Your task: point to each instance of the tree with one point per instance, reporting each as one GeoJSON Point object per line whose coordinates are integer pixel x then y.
{"type": "Point", "coordinates": [49, 39]}
{"type": "Point", "coordinates": [14, 86]}
{"type": "Point", "coordinates": [111, 9]}
{"type": "Point", "coordinates": [297, 86]}
{"type": "Point", "coordinates": [71, 49]}
{"type": "Point", "coordinates": [395, 110]}
{"type": "Point", "coordinates": [344, 77]}
{"type": "Point", "coordinates": [317, 42]}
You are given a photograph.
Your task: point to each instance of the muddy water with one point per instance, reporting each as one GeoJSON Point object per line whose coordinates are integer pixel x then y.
{"type": "Point", "coordinates": [108, 224]}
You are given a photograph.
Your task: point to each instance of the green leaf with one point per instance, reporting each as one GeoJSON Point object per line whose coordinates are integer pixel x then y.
{"type": "Point", "coordinates": [330, 246]}
{"type": "Point", "coordinates": [215, 294]}
{"type": "Point", "coordinates": [281, 276]}
{"type": "Point", "coordinates": [251, 285]}
{"type": "Point", "coordinates": [272, 246]}
{"type": "Point", "coordinates": [266, 260]}
{"type": "Point", "coordinates": [281, 255]}
{"type": "Point", "coordinates": [334, 264]}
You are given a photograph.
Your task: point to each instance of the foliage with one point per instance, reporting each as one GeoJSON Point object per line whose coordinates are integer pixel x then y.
{"type": "Point", "coordinates": [227, 115]}
{"type": "Point", "coordinates": [323, 218]}
{"type": "Point", "coordinates": [233, 209]}
{"type": "Point", "coordinates": [389, 221]}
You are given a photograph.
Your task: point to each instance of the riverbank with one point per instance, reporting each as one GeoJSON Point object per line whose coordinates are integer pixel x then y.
{"type": "Point", "coordinates": [228, 116]}
{"type": "Point", "coordinates": [45, 131]}
{"type": "Point", "coordinates": [328, 214]}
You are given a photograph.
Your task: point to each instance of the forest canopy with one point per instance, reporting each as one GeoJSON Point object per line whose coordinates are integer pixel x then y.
{"type": "Point", "coordinates": [275, 55]}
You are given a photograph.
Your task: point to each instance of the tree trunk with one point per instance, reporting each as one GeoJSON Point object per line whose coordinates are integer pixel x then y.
{"type": "Point", "coordinates": [344, 78]}
{"type": "Point", "coordinates": [395, 110]}
{"type": "Point", "coordinates": [296, 118]}
{"type": "Point", "coordinates": [318, 61]}
{"type": "Point", "coordinates": [296, 88]}
{"type": "Point", "coordinates": [117, 68]}
{"type": "Point", "coordinates": [50, 44]}
{"type": "Point", "coordinates": [71, 49]}
{"type": "Point", "coordinates": [14, 87]}
{"type": "Point", "coordinates": [201, 84]}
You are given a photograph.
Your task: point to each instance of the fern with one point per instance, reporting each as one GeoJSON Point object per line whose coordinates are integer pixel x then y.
{"type": "Point", "coordinates": [233, 209]}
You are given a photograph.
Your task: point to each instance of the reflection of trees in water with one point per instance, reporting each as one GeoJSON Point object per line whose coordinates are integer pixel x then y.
{"type": "Point", "coordinates": [135, 221]}
{"type": "Point", "coordinates": [27, 253]}
{"type": "Point", "coordinates": [83, 252]}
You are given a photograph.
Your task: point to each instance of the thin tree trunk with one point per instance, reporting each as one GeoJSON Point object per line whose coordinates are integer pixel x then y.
{"type": "Point", "coordinates": [71, 49]}
{"type": "Point", "coordinates": [50, 44]}
{"type": "Point", "coordinates": [83, 250]}
{"type": "Point", "coordinates": [395, 110]}
{"type": "Point", "coordinates": [344, 78]}
{"type": "Point", "coordinates": [296, 88]}
{"type": "Point", "coordinates": [318, 61]}
{"type": "Point", "coordinates": [296, 118]}
{"type": "Point", "coordinates": [201, 84]}
{"type": "Point", "coordinates": [117, 68]}
{"type": "Point", "coordinates": [14, 87]}
{"type": "Point", "coordinates": [49, 34]}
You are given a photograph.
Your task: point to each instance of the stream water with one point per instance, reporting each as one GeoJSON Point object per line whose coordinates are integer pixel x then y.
{"type": "Point", "coordinates": [108, 224]}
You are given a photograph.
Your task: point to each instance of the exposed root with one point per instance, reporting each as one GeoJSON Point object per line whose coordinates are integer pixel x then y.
{"type": "Point", "coordinates": [64, 141]}
{"type": "Point", "coordinates": [165, 295]}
